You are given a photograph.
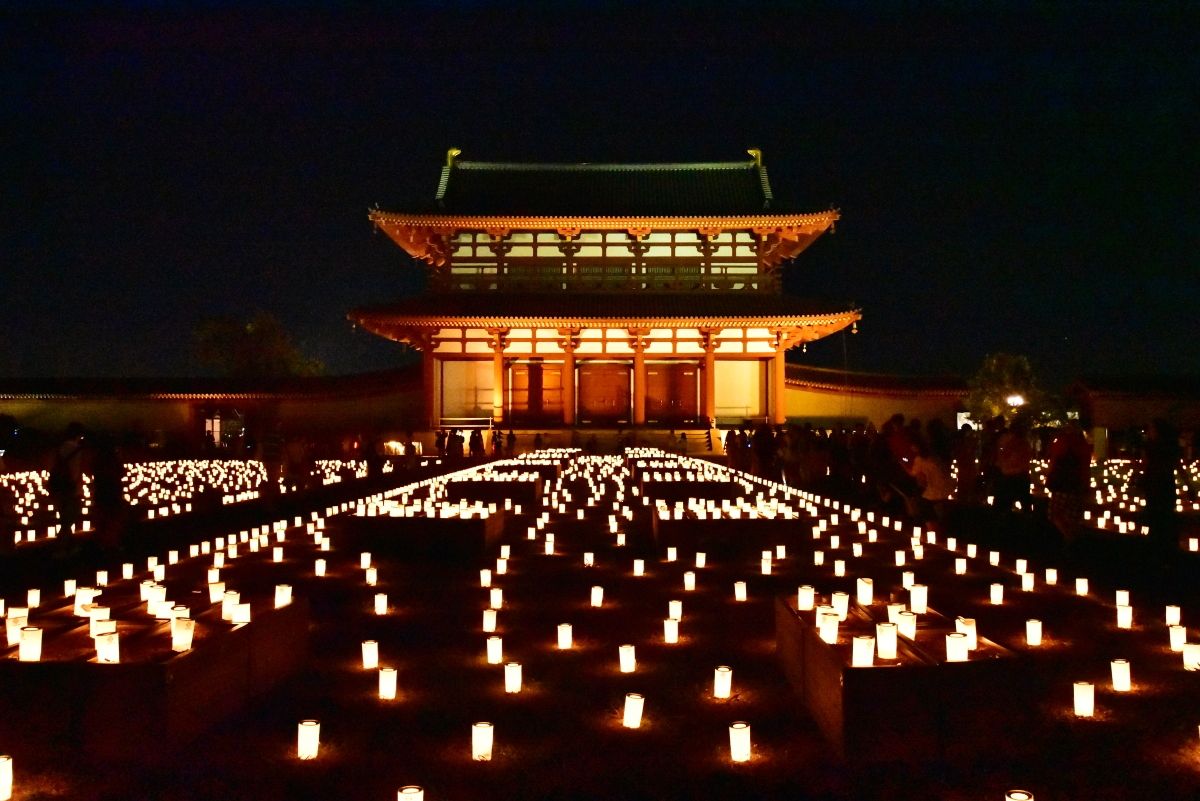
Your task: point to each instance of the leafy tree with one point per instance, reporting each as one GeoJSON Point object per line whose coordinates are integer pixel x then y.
{"type": "Point", "coordinates": [1006, 386]}
{"type": "Point", "coordinates": [257, 348]}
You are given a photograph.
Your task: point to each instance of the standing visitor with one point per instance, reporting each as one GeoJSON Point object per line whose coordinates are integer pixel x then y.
{"type": "Point", "coordinates": [1158, 485]}
{"type": "Point", "coordinates": [66, 478]}
{"type": "Point", "coordinates": [1013, 454]}
{"type": "Point", "coordinates": [1067, 480]}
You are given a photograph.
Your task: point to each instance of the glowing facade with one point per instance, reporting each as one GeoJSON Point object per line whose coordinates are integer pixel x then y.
{"type": "Point", "coordinates": [603, 294]}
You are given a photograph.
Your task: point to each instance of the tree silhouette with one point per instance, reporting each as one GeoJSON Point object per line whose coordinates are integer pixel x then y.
{"type": "Point", "coordinates": [256, 348]}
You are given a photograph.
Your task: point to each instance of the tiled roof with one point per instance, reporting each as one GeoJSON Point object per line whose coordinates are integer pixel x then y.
{"type": "Point", "coordinates": [600, 305]}
{"type": "Point", "coordinates": [710, 188]}
{"type": "Point", "coordinates": [843, 380]}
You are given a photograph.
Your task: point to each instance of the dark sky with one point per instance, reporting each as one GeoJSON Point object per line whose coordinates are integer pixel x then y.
{"type": "Point", "coordinates": [1025, 177]}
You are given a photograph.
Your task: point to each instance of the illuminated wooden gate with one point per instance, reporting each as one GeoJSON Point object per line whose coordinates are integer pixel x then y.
{"type": "Point", "coordinates": [535, 392]}
{"type": "Point", "coordinates": [672, 392]}
{"type": "Point", "coordinates": [604, 392]}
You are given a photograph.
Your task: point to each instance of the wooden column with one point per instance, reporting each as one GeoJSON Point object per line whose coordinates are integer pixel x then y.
{"type": "Point", "coordinates": [778, 369]}
{"type": "Point", "coordinates": [498, 341]}
{"type": "Point", "coordinates": [429, 385]}
{"type": "Point", "coordinates": [637, 341]}
{"type": "Point", "coordinates": [569, 341]}
{"type": "Point", "coordinates": [709, 340]}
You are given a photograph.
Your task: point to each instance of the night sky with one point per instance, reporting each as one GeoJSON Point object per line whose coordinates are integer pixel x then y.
{"type": "Point", "coordinates": [1021, 178]}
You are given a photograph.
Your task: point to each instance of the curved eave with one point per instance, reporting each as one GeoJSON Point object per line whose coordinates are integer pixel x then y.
{"type": "Point", "coordinates": [413, 329]}
{"type": "Point", "coordinates": [426, 236]}
{"type": "Point", "coordinates": [850, 389]}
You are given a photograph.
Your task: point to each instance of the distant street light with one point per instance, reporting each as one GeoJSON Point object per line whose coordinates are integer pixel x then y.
{"type": "Point", "coordinates": [1015, 400]}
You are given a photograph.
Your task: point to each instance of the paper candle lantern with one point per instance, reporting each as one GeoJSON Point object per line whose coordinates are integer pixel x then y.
{"type": "Point", "coordinates": [283, 595]}
{"type": "Point", "coordinates": [701, 559]}
{"type": "Point", "coordinates": [387, 684]}
{"type": "Point", "coordinates": [1085, 699]}
{"type": "Point", "coordinates": [972, 550]}
{"type": "Point", "coordinates": [739, 741]}
{"type": "Point", "coordinates": [722, 681]}
{"type": "Point", "coordinates": [906, 622]}
{"type": "Point", "coordinates": [672, 553]}
{"type": "Point", "coordinates": [501, 567]}
{"type": "Point", "coordinates": [589, 559]}
{"type": "Point", "coordinates": [182, 631]}
{"type": "Point", "coordinates": [1191, 656]}
{"type": "Point", "coordinates": [1033, 632]}
{"type": "Point", "coordinates": [865, 591]}
{"type": "Point", "coordinates": [370, 654]}
{"type": "Point", "coordinates": [495, 650]}
{"type": "Point", "coordinates": [410, 792]}
{"type": "Point", "coordinates": [481, 742]}
{"type": "Point", "coordinates": [1021, 565]}
{"type": "Point", "coordinates": [564, 636]}
{"type": "Point", "coordinates": [30, 647]}
{"type": "Point", "coordinates": [918, 598]}
{"type": "Point", "coordinates": [739, 590]}
{"type": "Point", "coordinates": [364, 560]}
{"type": "Point", "coordinates": [277, 553]}
{"type": "Point", "coordinates": [512, 677]}
{"type": "Point", "coordinates": [308, 739]}
{"type": "Point", "coordinates": [841, 604]}
{"type": "Point", "coordinates": [597, 596]}
{"type": "Point", "coordinates": [1122, 598]}
{"type": "Point", "coordinates": [1121, 679]}
{"type": "Point", "coordinates": [1178, 637]}
{"type": "Point", "coordinates": [319, 567]}
{"type": "Point", "coordinates": [639, 567]}
{"type": "Point", "coordinates": [627, 660]}
{"type": "Point", "coordinates": [1018, 795]}
{"type": "Point", "coordinates": [633, 710]}
{"type": "Point", "coordinates": [1124, 617]}
{"type": "Point", "coordinates": [780, 551]}
{"type": "Point", "coordinates": [960, 566]}
{"type": "Point", "coordinates": [670, 631]}
{"type": "Point", "coordinates": [6, 777]}
{"type": "Point", "coordinates": [997, 594]}
{"type": "Point", "coordinates": [956, 647]}
{"type": "Point", "coordinates": [967, 626]}
{"type": "Point", "coordinates": [689, 581]}
{"type": "Point", "coordinates": [675, 609]}
{"type": "Point", "coordinates": [805, 597]}
{"type": "Point", "coordinates": [827, 626]}
{"type": "Point", "coordinates": [489, 620]}
{"type": "Point", "coordinates": [862, 651]}
{"type": "Point", "coordinates": [496, 597]}
{"type": "Point", "coordinates": [900, 556]}
{"type": "Point", "coordinates": [885, 640]}
{"type": "Point", "coordinates": [1081, 586]}
{"type": "Point", "coordinates": [1173, 617]}
{"type": "Point", "coordinates": [1051, 576]}
{"type": "Point", "coordinates": [765, 566]}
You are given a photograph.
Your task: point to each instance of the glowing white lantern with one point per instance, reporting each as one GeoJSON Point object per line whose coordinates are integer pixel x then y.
{"type": "Point", "coordinates": [739, 741]}
{"type": "Point", "coordinates": [283, 595]}
{"type": "Point", "coordinates": [780, 551]}
{"type": "Point", "coordinates": [1173, 616]}
{"type": "Point", "coordinates": [218, 560]}
{"type": "Point", "coordinates": [670, 631]}
{"type": "Point", "coordinates": [701, 559]}
{"type": "Point", "coordinates": [818, 558]}
{"type": "Point", "coordinates": [862, 651]}
{"type": "Point", "coordinates": [1178, 635]}
{"type": "Point", "coordinates": [900, 556]}
{"type": "Point", "coordinates": [548, 545]}
{"type": "Point", "coordinates": [372, 577]}
{"type": "Point", "coordinates": [364, 560]}
{"type": "Point", "coordinates": [1081, 586]}
{"type": "Point", "coordinates": [597, 596]}
{"type": "Point", "coordinates": [319, 568]}
{"type": "Point", "coordinates": [997, 594]}
{"type": "Point", "coordinates": [1085, 699]}
{"type": "Point", "coordinates": [765, 566]}
{"type": "Point", "coordinates": [485, 578]}
{"type": "Point", "coordinates": [1051, 575]}
{"type": "Point", "coordinates": [627, 659]}
{"type": "Point", "coordinates": [564, 636]}
{"type": "Point", "coordinates": [108, 648]}
{"type": "Point", "coordinates": [993, 558]}
{"type": "Point", "coordinates": [489, 620]}
{"type": "Point", "coordinates": [918, 598]}
{"type": "Point", "coordinates": [956, 647]}
{"type": "Point", "coordinates": [966, 625]}
{"type": "Point", "coordinates": [885, 640]}
{"type": "Point", "coordinates": [214, 575]}
{"type": "Point", "coordinates": [1121, 680]}
{"type": "Point", "coordinates": [501, 567]}
{"type": "Point", "coordinates": [277, 553]}
{"type": "Point", "coordinates": [481, 742]}
{"type": "Point", "coordinates": [857, 549]}
{"type": "Point", "coordinates": [1018, 795]}
{"type": "Point", "coordinates": [370, 654]}
{"type": "Point", "coordinates": [906, 622]}
{"type": "Point", "coordinates": [496, 597]}
{"type": "Point", "coordinates": [387, 684]}
{"type": "Point", "coordinates": [972, 550]}
{"type": "Point", "coordinates": [512, 677]}
{"type": "Point", "coordinates": [675, 609]}
{"type": "Point", "coordinates": [33, 598]}
{"type": "Point", "coordinates": [30, 648]}
{"type": "Point", "coordinates": [672, 553]}
{"type": "Point", "coordinates": [1122, 598]}
{"type": "Point", "coordinates": [827, 626]}
{"type": "Point", "coordinates": [865, 591]}
{"type": "Point", "coordinates": [722, 681]}
{"type": "Point", "coordinates": [495, 650]}
{"type": "Point", "coordinates": [805, 597]}
{"type": "Point", "coordinates": [182, 631]}
{"type": "Point", "coordinates": [6, 777]}
{"type": "Point", "coordinates": [1027, 582]}
{"type": "Point", "coordinates": [907, 579]}
{"type": "Point", "coordinates": [839, 567]}
{"type": "Point", "coordinates": [1124, 617]}
{"type": "Point", "coordinates": [410, 792]}
{"type": "Point", "coordinates": [1033, 632]}
{"type": "Point", "coordinates": [639, 567]}
{"type": "Point", "coordinates": [841, 604]}
{"type": "Point", "coordinates": [689, 581]}
{"type": "Point", "coordinates": [308, 739]}
{"type": "Point", "coordinates": [228, 599]}
{"type": "Point", "coordinates": [1191, 656]}
{"type": "Point", "coordinates": [633, 710]}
